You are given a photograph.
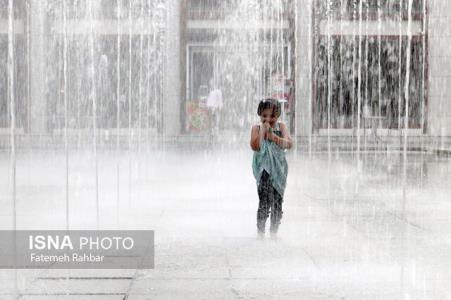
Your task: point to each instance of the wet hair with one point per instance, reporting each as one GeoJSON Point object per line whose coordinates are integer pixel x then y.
{"type": "Point", "coordinates": [272, 104]}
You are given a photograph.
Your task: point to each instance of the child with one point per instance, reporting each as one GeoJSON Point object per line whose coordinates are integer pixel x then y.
{"type": "Point", "coordinates": [269, 141]}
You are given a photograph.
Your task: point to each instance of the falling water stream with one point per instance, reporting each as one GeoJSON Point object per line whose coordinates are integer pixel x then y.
{"type": "Point", "coordinates": [105, 77]}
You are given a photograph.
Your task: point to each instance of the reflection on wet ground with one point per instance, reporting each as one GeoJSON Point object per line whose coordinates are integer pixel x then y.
{"type": "Point", "coordinates": [374, 228]}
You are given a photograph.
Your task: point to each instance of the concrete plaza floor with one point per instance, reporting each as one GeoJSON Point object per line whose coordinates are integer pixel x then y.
{"type": "Point", "coordinates": [373, 228]}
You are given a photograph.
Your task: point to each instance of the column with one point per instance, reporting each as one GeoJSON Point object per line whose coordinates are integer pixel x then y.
{"type": "Point", "coordinates": [303, 65]}
{"type": "Point", "coordinates": [171, 105]}
{"type": "Point", "coordinates": [37, 68]}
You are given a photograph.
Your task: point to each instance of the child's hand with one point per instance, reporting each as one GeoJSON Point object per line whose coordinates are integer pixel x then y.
{"type": "Point", "coordinates": [265, 128]}
{"type": "Point", "coordinates": [271, 136]}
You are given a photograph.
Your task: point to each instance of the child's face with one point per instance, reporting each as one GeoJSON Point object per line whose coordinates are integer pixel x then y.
{"type": "Point", "coordinates": [267, 115]}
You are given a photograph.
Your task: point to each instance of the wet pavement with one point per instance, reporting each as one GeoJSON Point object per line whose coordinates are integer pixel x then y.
{"type": "Point", "coordinates": [377, 227]}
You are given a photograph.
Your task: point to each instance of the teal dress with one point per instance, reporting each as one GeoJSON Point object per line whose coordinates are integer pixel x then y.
{"type": "Point", "coordinates": [271, 158]}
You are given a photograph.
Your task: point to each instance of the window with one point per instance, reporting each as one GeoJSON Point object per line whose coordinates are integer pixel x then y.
{"type": "Point", "coordinates": [371, 9]}
{"type": "Point", "coordinates": [383, 73]}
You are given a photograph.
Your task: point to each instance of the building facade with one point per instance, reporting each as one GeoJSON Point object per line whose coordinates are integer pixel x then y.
{"type": "Point", "coordinates": [145, 68]}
